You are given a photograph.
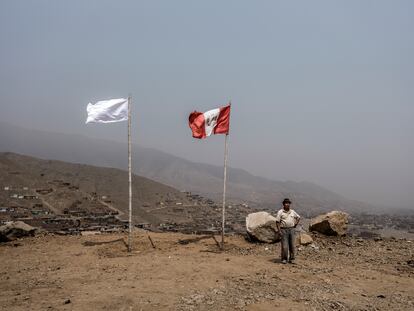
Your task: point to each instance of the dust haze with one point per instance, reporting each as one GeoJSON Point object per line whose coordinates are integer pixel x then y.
{"type": "Point", "coordinates": [321, 92]}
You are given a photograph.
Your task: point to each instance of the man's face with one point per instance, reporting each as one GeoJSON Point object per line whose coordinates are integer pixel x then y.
{"type": "Point", "coordinates": [286, 206]}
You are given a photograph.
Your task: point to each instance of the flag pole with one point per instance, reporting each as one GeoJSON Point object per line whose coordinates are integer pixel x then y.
{"type": "Point", "coordinates": [226, 151]}
{"type": "Point", "coordinates": [129, 175]}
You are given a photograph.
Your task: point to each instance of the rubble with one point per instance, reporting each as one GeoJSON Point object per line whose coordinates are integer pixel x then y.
{"type": "Point", "coordinates": [14, 230]}
{"type": "Point", "coordinates": [303, 238]}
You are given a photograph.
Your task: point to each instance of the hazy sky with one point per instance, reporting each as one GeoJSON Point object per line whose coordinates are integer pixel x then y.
{"type": "Point", "coordinates": [321, 90]}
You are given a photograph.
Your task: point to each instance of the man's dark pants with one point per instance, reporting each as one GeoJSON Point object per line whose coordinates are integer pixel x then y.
{"type": "Point", "coordinates": [288, 243]}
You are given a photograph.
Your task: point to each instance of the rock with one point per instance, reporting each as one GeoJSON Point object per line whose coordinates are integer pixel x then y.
{"type": "Point", "coordinates": [261, 227]}
{"type": "Point", "coordinates": [15, 229]}
{"type": "Point", "coordinates": [332, 223]}
{"type": "Point", "coordinates": [88, 233]}
{"type": "Point", "coordinates": [316, 248]}
{"type": "Point", "coordinates": [303, 238]}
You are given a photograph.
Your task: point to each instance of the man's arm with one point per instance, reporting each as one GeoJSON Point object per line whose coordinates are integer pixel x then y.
{"type": "Point", "coordinates": [297, 219]}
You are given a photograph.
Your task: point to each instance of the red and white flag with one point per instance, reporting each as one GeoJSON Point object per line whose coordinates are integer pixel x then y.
{"type": "Point", "coordinates": [216, 121]}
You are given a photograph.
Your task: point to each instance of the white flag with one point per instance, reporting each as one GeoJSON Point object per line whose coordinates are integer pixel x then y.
{"type": "Point", "coordinates": [108, 111]}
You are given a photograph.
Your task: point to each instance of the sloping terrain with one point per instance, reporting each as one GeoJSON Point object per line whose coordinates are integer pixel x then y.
{"type": "Point", "coordinates": [96, 273]}
{"type": "Point", "coordinates": [243, 187]}
{"type": "Point", "coordinates": [68, 185]}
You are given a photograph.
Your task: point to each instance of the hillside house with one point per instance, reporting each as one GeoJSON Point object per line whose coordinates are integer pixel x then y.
{"type": "Point", "coordinates": [143, 225]}
{"type": "Point", "coordinates": [44, 191]}
{"type": "Point", "coordinates": [30, 197]}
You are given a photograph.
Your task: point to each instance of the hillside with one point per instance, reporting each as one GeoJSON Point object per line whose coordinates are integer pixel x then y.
{"type": "Point", "coordinates": [71, 198]}
{"type": "Point", "coordinates": [61, 186]}
{"type": "Point", "coordinates": [243, 187]}
{"type": "Point", "coordinates": [96, 273]}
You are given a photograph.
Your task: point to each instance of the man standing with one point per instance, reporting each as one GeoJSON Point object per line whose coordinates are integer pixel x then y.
{"type": "Point", "coordinates": [286, 221]}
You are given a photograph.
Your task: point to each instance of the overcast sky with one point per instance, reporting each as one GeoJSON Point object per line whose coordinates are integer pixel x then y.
{"type": "Point", "coordinates": [321, 91]}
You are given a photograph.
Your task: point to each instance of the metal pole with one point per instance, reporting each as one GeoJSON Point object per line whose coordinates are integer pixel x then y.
{"type": "Point", "coordinates": [129, 175]}
{"type": "Point", "coordinates": [226, 145]}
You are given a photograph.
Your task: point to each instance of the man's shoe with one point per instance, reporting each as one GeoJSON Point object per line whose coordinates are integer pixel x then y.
{"type": "Point", "coordinates": [284, 261]}
{"type": "Point", "coordinates": [292, 261]}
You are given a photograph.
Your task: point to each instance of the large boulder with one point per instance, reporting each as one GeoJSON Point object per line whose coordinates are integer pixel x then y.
{"type": "Point", "coordinates": [332, 223]}
{"type": "Point", "coordinates": [261, 227]}
{"type": "Point", "coordinates": [15, 229]}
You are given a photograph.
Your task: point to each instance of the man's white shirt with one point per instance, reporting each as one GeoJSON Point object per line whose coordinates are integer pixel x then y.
{"type": "Point", "coordinates": [288, 218]}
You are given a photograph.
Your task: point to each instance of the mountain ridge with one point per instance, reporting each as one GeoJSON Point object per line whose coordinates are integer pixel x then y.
{"type": "Point", "coordinates": [182, 174]}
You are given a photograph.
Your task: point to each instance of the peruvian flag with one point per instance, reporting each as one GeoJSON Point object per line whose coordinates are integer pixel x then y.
{"type": "Point", "coordinates": [216, 121]}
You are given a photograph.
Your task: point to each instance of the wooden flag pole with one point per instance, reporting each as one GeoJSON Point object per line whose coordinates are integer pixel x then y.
{"type": "Point", "coordinates": [226, 148]}
{"type": "Point", "coordinates": [129, 176]}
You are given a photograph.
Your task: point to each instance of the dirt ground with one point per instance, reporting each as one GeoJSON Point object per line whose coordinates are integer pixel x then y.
{"type": "Point", "coordinates": [97, 273]}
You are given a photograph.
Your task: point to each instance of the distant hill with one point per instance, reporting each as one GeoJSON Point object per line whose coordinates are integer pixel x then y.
{"type": "Point", "coordinates": [179, 173]}
{"type": "Point", "coordinates": [18, 171]}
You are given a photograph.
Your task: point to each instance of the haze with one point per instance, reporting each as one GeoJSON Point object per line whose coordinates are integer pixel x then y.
{"type": "Point", "coordinates": [321, 91]}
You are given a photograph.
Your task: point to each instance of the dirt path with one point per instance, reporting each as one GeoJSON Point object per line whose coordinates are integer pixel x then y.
{"type": "Point", "coordinates": [96, 273]}
{"type": "Point", "coordinates": [111, 207]}
{"type": "Point", "coordinates": [48, 205]}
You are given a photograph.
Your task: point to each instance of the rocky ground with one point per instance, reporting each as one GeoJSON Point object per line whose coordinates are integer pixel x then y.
{"type": "Point", "coordinates": [185, 272]}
